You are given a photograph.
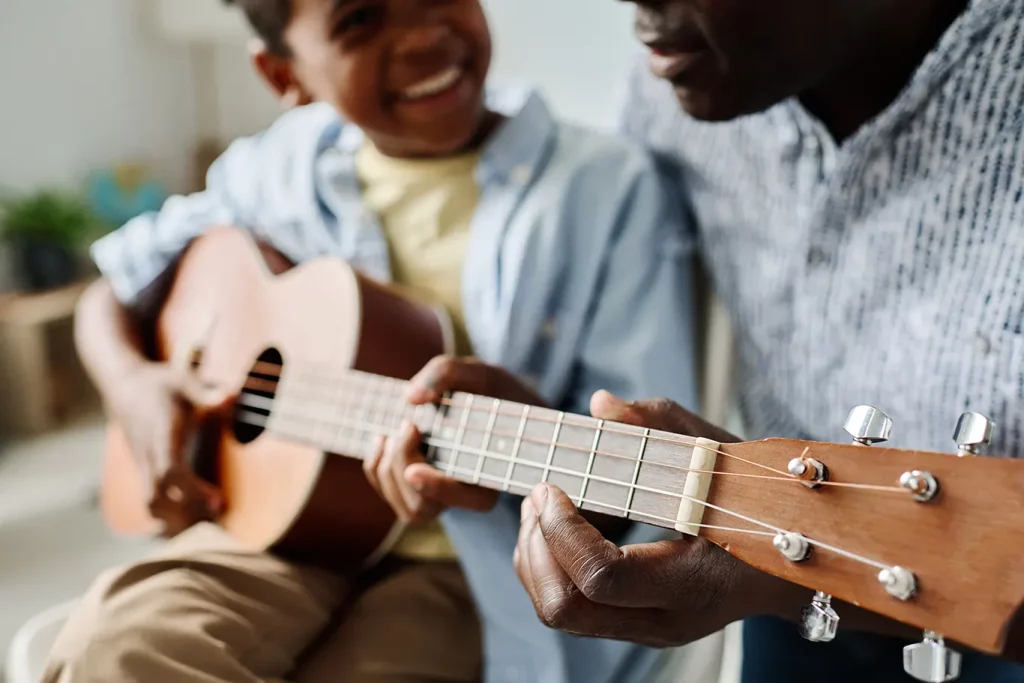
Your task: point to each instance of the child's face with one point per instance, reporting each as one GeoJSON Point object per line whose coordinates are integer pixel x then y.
{"type": "Point", "coordinates": [410, 73]}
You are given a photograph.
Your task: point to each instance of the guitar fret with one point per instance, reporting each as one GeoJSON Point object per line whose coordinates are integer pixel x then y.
{"type": "Point", "coordinates": [590, 462]}
{"type": "Point", "coordinates": [339, 444]}
{"type": "Point", "coordinates": [488, 435]}
{"type": "Point", "coordinates": [515, 449]}
{"type": "Point", "coordinates": [374, 419]}
{"type": "Point", "coordinates": [636, 473]}
{"type": "Point", "coordinates": [392, 408]}
{"type": "Point", "coordinates": [417, 415]}
{"type": "Point", "coordinates": [460, 435]}
{"type": "Point", "coordinates": [321, 429]}
{"type": "Point", "coordinates": [554, 444]}
{"type": "Point", "coordinates": [438, 421]}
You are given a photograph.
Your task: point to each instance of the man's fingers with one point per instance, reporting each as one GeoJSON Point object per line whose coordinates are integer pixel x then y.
{"type": "Point", "coordinates": [522, 557]}
{"type": "Point", "coordinates": [647, 575]}
{"type": "Point", "coordinates": [658, 413]}
{"type": "Point", "coordinates": [435, 486]}
{"type": "Point", "coordinates": [560, 604]}
{"type": "Point", "coordinates": [607, 406]}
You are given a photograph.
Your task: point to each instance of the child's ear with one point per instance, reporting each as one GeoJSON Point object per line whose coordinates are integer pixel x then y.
{"type": "Point", "coordinates": [277, 72]}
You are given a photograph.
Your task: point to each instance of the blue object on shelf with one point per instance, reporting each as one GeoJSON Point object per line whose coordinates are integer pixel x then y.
{"type": "Point", "coordinates": [122, 193]}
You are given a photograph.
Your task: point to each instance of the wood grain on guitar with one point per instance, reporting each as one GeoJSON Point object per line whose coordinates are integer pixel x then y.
{"type": "Point", "coordinates": [318, 356]}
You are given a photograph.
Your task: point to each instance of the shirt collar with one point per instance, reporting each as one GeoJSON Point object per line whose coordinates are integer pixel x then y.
{"type": "Point", "coordinates": [515, 150]}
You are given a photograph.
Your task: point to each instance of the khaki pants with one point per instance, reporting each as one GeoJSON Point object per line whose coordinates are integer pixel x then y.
{"type": "Point", "coordinates": [203, 609]}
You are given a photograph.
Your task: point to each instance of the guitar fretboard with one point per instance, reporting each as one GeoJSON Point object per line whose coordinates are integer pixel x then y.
{"type": "Point", "coordinates": [611, 468]}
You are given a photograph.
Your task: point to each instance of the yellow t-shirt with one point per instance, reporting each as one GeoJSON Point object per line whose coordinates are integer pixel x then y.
{"type": "Point", "coordinates": [425, 207]}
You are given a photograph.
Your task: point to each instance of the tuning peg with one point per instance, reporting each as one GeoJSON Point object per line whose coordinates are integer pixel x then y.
{"type": "Point", "coordinates": [868, 425]}
{"type": "Point", "coordinates": [973, 433]}
{"type": "Point", "coordinates": [931, 661]}
{"type": "Point", "coordinates": [818, 621]}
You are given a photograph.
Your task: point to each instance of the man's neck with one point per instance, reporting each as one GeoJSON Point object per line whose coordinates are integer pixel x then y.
{"type": "Point", "coordinates": [876, 76]}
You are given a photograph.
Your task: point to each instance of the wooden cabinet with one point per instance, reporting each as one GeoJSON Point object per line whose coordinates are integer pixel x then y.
{"type": "Point", "coordinates": [42, 382]}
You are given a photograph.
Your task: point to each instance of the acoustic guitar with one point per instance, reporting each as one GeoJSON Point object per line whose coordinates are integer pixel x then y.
{"type": "Point", "coordinates": [318, 357]}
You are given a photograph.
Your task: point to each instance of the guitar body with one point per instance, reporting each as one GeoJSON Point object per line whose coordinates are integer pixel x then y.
{"type": "Point", "coordinates": [228, 304]}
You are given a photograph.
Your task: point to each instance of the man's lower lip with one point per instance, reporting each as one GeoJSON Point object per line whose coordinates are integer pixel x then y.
{"type": "Point", "coordinates": [671, 66]}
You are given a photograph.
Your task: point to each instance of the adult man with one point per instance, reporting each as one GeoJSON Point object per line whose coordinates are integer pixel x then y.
{"type": "Point", "coordinates": [860, 216]}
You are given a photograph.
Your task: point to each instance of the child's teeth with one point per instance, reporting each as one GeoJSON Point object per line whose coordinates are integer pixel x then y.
{"type": "Point", "coordinates": [434, 84]}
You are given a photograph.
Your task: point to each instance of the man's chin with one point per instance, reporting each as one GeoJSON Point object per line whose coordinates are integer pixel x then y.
{"type": "Point", "coordinates": [708, 106]}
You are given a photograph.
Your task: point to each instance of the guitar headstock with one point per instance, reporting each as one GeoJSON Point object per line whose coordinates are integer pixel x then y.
{"type": "Point", "coordinates": [932, 540]}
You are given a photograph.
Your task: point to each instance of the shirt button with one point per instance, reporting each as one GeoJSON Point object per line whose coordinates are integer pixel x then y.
{"type": "Point", "coordinates": [521, 175]}
{"type": "Point", "coordinates": [982, 344]}
{"type": "Point", "coordinates": [549, 329]}
{"type": "Point", "coordinates": [817, 257]}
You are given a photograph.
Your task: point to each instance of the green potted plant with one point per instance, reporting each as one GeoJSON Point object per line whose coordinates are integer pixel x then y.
{"type": "Point", "coordinates": [46, 232]}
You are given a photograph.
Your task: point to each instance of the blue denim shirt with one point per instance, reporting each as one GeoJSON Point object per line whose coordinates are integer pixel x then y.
{"type": "Point", "coordinates": [577, 278]}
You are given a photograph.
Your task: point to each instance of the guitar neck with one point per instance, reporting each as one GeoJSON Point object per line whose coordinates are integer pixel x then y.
{"type": "Point", "coordinates": [746, 499]}
{"type": "Point", "coordinates": [606, 467]}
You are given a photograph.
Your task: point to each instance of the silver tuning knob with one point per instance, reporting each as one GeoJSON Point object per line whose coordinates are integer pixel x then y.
{"type": "Point", "coordinates": [868, 425]}
{"type": "Point", "coordinates": [818, 621]}
{"type": "Point", "coordinates": [931, 661]}
{"type": "Point", "coordinates": [973, 433]}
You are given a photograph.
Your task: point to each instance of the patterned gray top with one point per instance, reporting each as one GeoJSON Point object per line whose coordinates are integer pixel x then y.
{"type": "Point", "coordinates": [886, 270]}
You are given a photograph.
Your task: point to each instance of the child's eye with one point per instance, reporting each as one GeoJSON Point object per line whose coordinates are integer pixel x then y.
{"type": "Point", "coordinates": [356, 19]}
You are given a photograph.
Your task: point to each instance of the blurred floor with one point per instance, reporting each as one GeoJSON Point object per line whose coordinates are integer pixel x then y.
{"type": "Point", "coordinates": [52, 538]}
{"type": "Point", "coordinates": [53, 541]}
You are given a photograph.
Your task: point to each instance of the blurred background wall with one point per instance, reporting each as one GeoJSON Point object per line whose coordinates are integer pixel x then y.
{"type": "Point", "coordinates": [91, 84]}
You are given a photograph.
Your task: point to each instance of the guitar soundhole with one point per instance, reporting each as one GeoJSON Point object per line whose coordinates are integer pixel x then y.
{"type": "Point", "coordinates": [256, 402]}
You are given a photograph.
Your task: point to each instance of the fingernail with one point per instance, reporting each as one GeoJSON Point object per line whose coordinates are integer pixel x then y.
{"type": "Point", "coordinates": [408, 429]}
{"type": "Point", "coordinates": [526, 510]}
{"type": "Point", "coordinates": [540, 497]}
{"type": "Point", "coordinates": [612, 398]}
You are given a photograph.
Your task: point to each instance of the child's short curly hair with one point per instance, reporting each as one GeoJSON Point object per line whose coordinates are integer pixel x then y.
{"type": "Point", "coordinates": [269, 18]}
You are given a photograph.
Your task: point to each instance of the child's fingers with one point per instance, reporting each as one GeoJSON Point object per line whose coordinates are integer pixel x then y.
{"type": "Point", "coordinates": [371, 465]}
{"type": "Point", "coordinates": [433, 485]}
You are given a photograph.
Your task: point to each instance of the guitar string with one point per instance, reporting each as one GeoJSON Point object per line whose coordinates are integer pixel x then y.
{"type": "Point", "coordinates": [678, 440]}
{"type": "Point", "coordinates": [256, 419]}
{"type": "Point", "coordinates": [562, 445]}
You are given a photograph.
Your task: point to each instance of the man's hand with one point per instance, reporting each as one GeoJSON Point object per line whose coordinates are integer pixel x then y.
{"type": "Point", "coordinates": [416, 491]}
{"type": "Point", "coordinates": [659, 594]}
{"type": "Point", "coordinates": [156, 405]}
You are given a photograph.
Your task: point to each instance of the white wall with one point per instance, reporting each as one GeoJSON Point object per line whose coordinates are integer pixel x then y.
{"type": "Point", "coordinates": [87, 83]}
{"type": "Point", "coordinates": [577, 51]}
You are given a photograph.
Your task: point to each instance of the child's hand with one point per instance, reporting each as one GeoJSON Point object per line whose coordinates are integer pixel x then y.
{"type": "Point", "coordinates": [157, 408]}
{"type": "Point", "coordinates": [416, 491]}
